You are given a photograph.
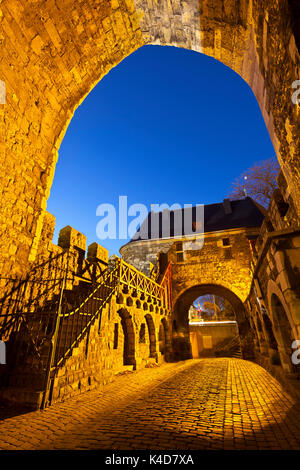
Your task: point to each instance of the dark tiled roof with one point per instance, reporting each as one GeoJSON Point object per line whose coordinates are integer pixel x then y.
{"type": "Point", "coordinates": [217, 217]}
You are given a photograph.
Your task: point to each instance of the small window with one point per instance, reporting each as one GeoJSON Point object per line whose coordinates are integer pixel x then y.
{"type": "Point", "coordinates": [226, 241]}
{"type": "Point", "coordinates": [179, 246]}
{"type": "Point", "coordinates": [142, 336]}
{"type": "Point", "coordinates": [180, 257]}
{"type": "Point", "coordinates": [116, 336]}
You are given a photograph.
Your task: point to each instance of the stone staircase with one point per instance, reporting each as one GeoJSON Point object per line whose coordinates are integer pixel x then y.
{"type": "Point", "coordinates": [229, 348]}
{"type": "Point", "coordinates": [29, 349]}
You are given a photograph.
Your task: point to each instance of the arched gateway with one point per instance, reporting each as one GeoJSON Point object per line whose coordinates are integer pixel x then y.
{"type": "Point", "coordinates": [181, 333]}
{"type": "Point", "coordinates": [54, 53]}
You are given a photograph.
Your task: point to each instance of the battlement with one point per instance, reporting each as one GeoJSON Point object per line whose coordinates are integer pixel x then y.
{"type": "Point", "coordinates": [74, 242]}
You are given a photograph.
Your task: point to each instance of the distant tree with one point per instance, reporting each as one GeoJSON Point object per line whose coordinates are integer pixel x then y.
{"type": "Point", "coordinates": [258, 182]}
{"type": "Point", "coordinates": [216, 307]}
{"type": "Point", "coordinates": [212, 308]}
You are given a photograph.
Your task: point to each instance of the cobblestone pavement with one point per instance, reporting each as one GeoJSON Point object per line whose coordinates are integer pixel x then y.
{"type": "Point", "coordinates": [202, 404]}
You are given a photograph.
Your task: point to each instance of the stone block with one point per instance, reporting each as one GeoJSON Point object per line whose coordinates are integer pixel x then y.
{"type": "Point", "coordinates": [97, 252]}
{"type": "Point", "coordinates": [283, 280]}
{"type": "Point", "coordinates": [279, 260]}
{"type": "Point", "coordinates": [69, 237]}
{"type": "Point", "coordinates": [296, 242]}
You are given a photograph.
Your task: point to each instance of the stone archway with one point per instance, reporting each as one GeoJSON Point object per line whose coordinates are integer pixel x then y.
{"type": "Point", "coordinates": [129, 337]}
{"type": "Point", "coordinates": [181, 337]}
{"type": "Point", "coordinates": [165, 339]}
{"type": "Point", "coordinates": [284, 332]}
{"type": "Point", "coordinates": [283, 326]}
{"type": "Point", "coordinates": [152, 336]}
{"type": "Point", "coordinates": [53, 54]}
{"type": "Point", "coordinates": [268, 327]}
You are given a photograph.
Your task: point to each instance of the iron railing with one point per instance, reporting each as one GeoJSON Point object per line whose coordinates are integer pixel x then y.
{"type": "Point", "coordinates": [134, 279]}
{"type": "Point", "coordinates": [48, 313]}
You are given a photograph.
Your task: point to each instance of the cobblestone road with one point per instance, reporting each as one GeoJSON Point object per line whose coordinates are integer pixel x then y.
{"type": "Point", "coordinates": [203, 404]}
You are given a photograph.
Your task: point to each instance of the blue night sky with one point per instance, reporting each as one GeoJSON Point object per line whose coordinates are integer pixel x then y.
{"type": "Point", "coordinates": [166, 125]}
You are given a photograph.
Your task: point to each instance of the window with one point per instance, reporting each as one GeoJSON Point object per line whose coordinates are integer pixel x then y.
{"type": "Point", "coordinates": [179, 252]}
{"type": "Point", "coordinates": [227, 253]}
{"type": "Point", "coordinates": [226, 241]}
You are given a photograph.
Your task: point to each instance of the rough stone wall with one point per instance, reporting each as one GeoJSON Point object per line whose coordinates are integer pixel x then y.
{"type": "Point", "coordinates": [53, 53]}
{"type": "Point", "coordinates": [276, 271]}
{"type": "Point", "coordinates": [217, 333]}
{"type": "Point", "coordinates": [225, 268]}
{"type": "Point", "coordinates": [212, 265]}
{"type": "Point", "coordinates": [131, 332]}
{"type": "Point", "coordinates": [99, 357]}
{"type": "Point", "coordinates": [82, 261]}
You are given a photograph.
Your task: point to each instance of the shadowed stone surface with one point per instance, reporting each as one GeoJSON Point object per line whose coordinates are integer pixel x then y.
{"type": "Point", "coordinates": [202, 404]}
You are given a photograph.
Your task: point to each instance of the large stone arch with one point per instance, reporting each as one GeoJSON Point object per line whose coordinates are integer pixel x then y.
{"type": "Point", "coordinates": [238, 289]}
{"type": "Point", "coordinates": [283, 325]}
{"type": "Point", "coordinates": [54, 53]}
{"type": "Point", "coordinates": [274, 289]}
{"type": "Point", "coordinates": [128, 337]}
{"type": "Point", "coordinates": [181, 339]}
{"type": "Point", "coordinates": [165, 339]}
{"type": "Point", "coordinates": [269, 332]}
{"type": "Point", "coordinates": [152, 335]}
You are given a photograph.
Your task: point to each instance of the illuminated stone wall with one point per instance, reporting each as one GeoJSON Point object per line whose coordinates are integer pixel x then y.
{"type": "Point", "coordinates": [215, 264]}
{"type": "Point", "coordinates": [222, 267]}
{"type": "Point", "coordinates": [99, 357]}
{"type": "Point", "coordinates": [274, 300]}
{"type": "Point", "coordinates": [132, 331]}
{"type": "Point", "coordinates": [53, 53]}
{"type": "Point", "coordinates": [226, 266]}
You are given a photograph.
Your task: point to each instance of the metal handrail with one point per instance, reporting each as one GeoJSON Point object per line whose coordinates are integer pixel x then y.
{"type": "Point", "coordinates": [133, 278]}
{"type": "Point", "coordinates": [90, 296]}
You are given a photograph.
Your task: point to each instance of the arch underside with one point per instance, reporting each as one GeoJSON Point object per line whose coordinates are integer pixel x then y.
{"type": "Point", "coordinates": [181, 340]}
{"type": "Point", "coordinates": [52, 57]}
{"type": "Point", "coordinates": [186, 299]}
